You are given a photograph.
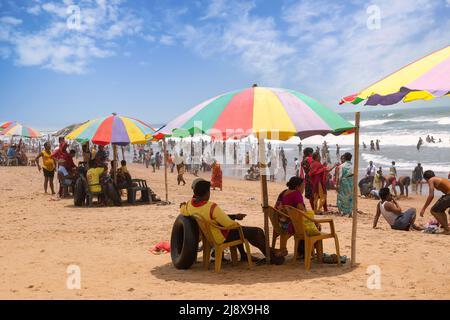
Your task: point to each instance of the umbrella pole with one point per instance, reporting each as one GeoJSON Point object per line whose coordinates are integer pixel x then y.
{"type": "Point", "coordinates": [165, 169]}
{"type": "Point", "coordinates": [355, 190]}
{"type": "Point", "coordinates": [264, 193]}
{"type": "Point", "coordinates": [123, 153]}
{"type": "Point", "coordinates": [115, 163]}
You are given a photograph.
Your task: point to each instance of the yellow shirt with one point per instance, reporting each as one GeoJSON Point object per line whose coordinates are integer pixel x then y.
{"type": "Point", "coordinates": [204, 210]}
{"type": "Point", "coordinates": [93, 178]}
{"type": "Point", "coordinates": [47, 161]}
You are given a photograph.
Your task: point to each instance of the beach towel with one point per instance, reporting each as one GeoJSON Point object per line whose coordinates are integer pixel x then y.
{"type": "Point", "coordinates": [161, 247]}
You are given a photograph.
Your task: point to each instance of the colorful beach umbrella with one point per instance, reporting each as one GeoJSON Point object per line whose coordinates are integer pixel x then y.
{"type": "Point", "coordinates": [273, 113]}
{"type": "Point", "coordinates": [114, 129]}
{"type": "Point", "coordinates": [4, 125]}
{"type": "Point", "coordinates": [424, 79]}
{"type": "Point", "coordinates": [19, 130]}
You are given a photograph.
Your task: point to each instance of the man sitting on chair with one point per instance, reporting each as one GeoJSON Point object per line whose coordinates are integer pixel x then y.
{"type": "Point", "coordinates": [94, 175]}
{"type": "Point", "coordinates": [210, 211]}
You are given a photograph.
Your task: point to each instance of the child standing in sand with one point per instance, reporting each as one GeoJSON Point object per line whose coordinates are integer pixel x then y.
{"type": "Point", "coordinates": [48, 167]}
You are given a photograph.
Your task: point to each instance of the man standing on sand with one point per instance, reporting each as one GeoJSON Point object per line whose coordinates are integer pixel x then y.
{"type": "Point", "coordinates": [417, 177]}
{"type": "Point", "coordinates": [439, 208]}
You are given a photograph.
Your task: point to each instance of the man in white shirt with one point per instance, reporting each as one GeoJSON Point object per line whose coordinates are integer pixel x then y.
{"type": "Point", "coordinates": [370, 172]}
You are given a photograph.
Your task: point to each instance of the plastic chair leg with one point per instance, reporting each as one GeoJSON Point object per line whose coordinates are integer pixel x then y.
{"type": "Point", "coordinates": [338, 253]}
{"type": "Point", "coordinates": [249, 254]}
{"type": "Point", "coordinates": [308, 251]}
{"type": "Point", "coordinates": [234, 255]}
{"type": "Point", "coordinates": [296, 250]}
{"type": "Point", "coordinates": [218, 256]}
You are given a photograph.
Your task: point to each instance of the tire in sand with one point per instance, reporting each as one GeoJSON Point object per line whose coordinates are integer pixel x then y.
{"type": "Point", "coordinates": [184, 242]}
{"type": "Point", "coordinates": [79, 196]}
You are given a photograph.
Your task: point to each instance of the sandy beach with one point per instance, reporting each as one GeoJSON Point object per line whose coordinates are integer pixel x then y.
{"type": "Point", "coordinates": [41, 237]}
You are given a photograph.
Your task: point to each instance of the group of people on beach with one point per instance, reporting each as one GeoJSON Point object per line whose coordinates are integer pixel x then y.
{"type": "Point", "coordinates": [95, 162]}
{"type": "Point", "coordinates": [14, 154]}
{"type": "Point", "coordinates": [376, 185]}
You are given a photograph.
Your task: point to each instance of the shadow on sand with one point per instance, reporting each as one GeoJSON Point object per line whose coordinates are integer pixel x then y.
{"type": "Point", "coordinates": [241, 274]}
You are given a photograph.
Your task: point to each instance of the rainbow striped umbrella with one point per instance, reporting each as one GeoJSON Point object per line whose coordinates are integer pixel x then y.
{"type": "Point", "coordinates": [19, 130]}
{"type": "Point", "coordinates": [424, 79]}
{"type": "Point", "coordinates": [114, 129]}
{"type": "Point", "coordinates": [269, 112]}
{"type": "Point", "coordinates": [4, 125]}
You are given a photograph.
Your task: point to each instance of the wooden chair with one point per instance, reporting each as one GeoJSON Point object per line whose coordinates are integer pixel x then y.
{"type": "Point", "coordinates": [274, 216]}
{"type": "Point", "coordinates": [210, 243]}
{"type": "Point", "coordinates": [298, 220]}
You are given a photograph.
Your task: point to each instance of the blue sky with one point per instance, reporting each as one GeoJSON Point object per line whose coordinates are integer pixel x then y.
{"type": "Point", "coordinates": [156, 59]}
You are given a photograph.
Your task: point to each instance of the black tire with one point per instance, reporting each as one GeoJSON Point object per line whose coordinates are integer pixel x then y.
{"type": "Point", "coordinates": [113, 194]}
{"type": "Point", "coordinates": [79, 194]}
{"type": "Point", "coordinates": [184, 242]}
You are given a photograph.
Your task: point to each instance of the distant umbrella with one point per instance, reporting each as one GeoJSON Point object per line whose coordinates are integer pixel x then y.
{"type": "Point", "coordinates": [21, 131]}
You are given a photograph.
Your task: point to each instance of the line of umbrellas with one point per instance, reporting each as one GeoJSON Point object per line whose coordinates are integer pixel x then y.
{"type": "Point", "coordinates": [273, 113]}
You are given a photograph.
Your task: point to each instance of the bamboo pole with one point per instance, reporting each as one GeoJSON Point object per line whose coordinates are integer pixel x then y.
{"type": "Point", "coordinates": [115, 163]}
{"type": "Point", "coordinates": [264, 193]}
{"type": "Point", "coordinates": [165, 169]}
{"type": "Point", "coordinates": [355, 190]}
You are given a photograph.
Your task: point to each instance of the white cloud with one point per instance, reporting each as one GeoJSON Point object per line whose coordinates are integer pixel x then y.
{"type": "Point", "coordinates": [254, 40]}
{"type": "Point", "coordinates": [34, 10]}
{"type": "Point", "coordinates": [10, 20]}
{"type": "Point", "coordinates": [336, 61]}
{"type": "Point", "coordinates": [167, 40]}
{"type": "Point", "coordinates": [56, 47]}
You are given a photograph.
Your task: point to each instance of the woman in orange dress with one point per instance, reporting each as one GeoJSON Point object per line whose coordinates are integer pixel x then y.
{"type": "Point", "coordinates": [216, 179]}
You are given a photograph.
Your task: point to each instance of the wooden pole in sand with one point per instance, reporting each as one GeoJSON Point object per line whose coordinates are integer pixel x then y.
{"type": "Point", "coordinates": [264, 193]}
{"type": "Point", "coordinates": [115, 163]}
{"type": "Point", "coordinates": [165, 169]}
{"type": "Point", "coordinates": [355, 190]}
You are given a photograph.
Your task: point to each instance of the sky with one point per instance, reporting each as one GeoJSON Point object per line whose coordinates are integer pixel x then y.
{"type": "Point", "coordinates": [63, 62]}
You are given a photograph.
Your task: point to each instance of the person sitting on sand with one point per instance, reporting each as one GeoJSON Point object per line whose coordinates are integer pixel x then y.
{"type": "Point", "coordinates": [439, 208]}
{"type": "Point", "coordinates": [403, 184]}
{"type": "Point", "coordinates": [393, 214]}
{"type": "Point", "coordinates": [200, 204]}
{"type": "Point", "coordinates": [48, 167]}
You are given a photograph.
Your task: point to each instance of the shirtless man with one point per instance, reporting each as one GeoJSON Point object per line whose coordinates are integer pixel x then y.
{"type": "Point", "coordinates": [439, 208]}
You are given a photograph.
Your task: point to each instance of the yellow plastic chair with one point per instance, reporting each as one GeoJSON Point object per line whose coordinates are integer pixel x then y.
{"type": "Point", "coordinates": [274, 216]}
{"type": "Point", "coordinates": [210, 243]}
{"type": "Point", "coordinates": [298, 217]}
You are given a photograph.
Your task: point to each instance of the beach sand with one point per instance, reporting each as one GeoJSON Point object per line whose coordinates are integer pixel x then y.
{"type": "Point", "coordinates": [40, 238]}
